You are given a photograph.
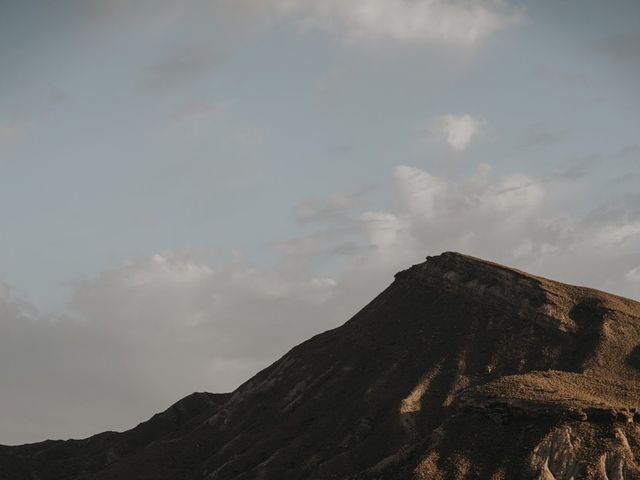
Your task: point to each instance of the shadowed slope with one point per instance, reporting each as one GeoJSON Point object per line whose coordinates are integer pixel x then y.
{"type": "Point", "coordinates": [461, 368]}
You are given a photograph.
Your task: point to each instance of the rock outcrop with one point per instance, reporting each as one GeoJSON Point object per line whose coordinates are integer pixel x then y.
{"type": "Point", "coordinates": [460, 369]}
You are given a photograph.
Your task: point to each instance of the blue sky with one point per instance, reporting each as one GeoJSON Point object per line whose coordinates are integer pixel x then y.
{"type": "Point", "coordinates": [293, 155]}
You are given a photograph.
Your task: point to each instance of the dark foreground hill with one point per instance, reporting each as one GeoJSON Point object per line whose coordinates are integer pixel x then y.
{"type": "Point", "coordinates": [460, 369]}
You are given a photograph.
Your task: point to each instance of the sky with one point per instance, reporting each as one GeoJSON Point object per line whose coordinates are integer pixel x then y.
{"type": "Point", "coordinates": [190, 188]}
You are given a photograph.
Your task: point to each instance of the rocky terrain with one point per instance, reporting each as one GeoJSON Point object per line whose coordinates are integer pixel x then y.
{"type": "Point", "coordinates": [460, 369]}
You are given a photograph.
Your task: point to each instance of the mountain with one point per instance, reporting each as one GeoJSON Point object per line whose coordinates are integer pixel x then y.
{"type": "Point", "coordinates": [460, 369]}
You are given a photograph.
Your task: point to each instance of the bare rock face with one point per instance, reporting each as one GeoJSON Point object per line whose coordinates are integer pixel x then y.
{"type": "Point", "coordinates": [555, 457]}
{"type": "Point", "coordinates": [460, 369]}
{"type": "Point", "coordinates": [558, 457]}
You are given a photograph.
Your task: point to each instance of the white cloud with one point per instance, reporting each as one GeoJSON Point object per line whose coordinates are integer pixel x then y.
{"type": "Point", "coordinates": [461, 22]}
{"type": "Point", "coordinates": [513, 194]}
{"type": "Point", "coordinates": [512, 220]}
{"type": "Point", "coordinates": [435, 214]}
{"type": "Point", "coordinates": [457, 130]}
{"type": "Point", "coordinates": [419, 191]}
{"type": "Point", "coordinates": [420, 21]}
{"type": "Point", "coordinates": [383, 229]}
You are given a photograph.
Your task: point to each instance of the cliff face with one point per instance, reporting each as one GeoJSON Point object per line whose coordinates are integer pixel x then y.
{"type": "Point", "coordinates": [460, 369]}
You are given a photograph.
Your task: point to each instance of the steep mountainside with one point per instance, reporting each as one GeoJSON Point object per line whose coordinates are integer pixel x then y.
{"type": "Point", "coordinates": [460, 369]}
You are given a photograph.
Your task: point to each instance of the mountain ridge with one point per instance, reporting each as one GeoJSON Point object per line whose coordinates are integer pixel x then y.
{"type": "Point", "coordinates": [461, 368]}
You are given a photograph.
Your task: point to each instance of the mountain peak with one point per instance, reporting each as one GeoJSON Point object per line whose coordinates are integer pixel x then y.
{"type": "Point", "coordinates": [540, 300]}
{"type": "Point", "coordinates": [454, 266]}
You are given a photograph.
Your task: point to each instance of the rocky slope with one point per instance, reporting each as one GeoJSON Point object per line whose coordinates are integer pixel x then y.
{"type": "Point", "coordinates": [460, 369]}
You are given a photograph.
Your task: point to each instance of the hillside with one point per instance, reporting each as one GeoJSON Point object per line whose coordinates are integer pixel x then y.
{"type": "Point", "coordinates": [460, 369]}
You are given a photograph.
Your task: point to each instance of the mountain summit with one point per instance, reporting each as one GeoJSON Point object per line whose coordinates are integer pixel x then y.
{"type": "Point", "coordinates": [460, 369]}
